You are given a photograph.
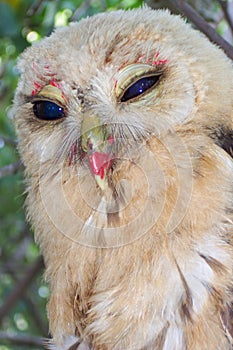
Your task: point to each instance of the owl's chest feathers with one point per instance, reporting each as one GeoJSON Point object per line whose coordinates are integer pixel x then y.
{"type": "Point", "coordinates": [136, 294]}
{"type": "Point", "coordinates": [142, 287]}
{"type": "Point", "coordinates": [156, 290]}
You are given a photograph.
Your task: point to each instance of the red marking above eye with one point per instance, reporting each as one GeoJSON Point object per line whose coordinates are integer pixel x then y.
{"type": "Point", "coordinates": [123, 65]}
{"type": "Point", "coordinates": [37, 87]}
{"type": "Point", "coordinates": [154, 61]}
{"type": "Point", "coordinates": [42, 80]}
{"type": "Point", "coordinates": [140, 58]}
{"type": "Point", "coordinates": [53, 82]}
{"type": "Point", "coordinates": [157, 63]}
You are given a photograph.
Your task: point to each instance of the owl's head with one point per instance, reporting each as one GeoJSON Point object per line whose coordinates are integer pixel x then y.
{"type": "Point", "coordinates": [117, 99]}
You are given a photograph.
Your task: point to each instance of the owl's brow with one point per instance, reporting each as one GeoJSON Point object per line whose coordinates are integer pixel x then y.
{"type": "Point", "coordinates": [39, 86]}
{"type": "Point", "coordinates": [110, 50]}
{"type": "Point", "coordinates": [154, 61]}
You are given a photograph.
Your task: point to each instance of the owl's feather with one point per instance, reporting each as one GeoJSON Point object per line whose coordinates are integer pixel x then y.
{"type": "Point", "coordinates": [144, 259]}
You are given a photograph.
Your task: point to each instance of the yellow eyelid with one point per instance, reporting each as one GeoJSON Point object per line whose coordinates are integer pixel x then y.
{"type": "Point", "coordinates": [51, 93]}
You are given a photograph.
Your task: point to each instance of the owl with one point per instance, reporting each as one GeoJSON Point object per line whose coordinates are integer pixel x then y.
{"type": "Point", "coordinates": [124, 122]}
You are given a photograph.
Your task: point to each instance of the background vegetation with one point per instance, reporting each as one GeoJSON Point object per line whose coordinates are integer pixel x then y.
{"type": "Point", "coordinates": [23, 294]}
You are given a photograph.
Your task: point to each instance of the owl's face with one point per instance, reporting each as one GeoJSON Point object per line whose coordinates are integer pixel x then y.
{"type": "Point", "coordinates": [115, 102]}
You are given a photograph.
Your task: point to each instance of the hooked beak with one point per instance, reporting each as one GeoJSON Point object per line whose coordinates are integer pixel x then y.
{"type": "Point", "coordinates": [97, 142]}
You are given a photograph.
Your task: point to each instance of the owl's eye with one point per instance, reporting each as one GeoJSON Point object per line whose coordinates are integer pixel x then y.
{"type": "Point", "coordinates": [47, 110]}
{"type": "Point", "coordinates": [135, 80]}
{"type": "Point", "coordinates": [139, 87]}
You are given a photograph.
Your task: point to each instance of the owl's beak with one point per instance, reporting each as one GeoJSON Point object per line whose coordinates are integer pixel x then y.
{"type": "Point", "coordinates": [97, 142]}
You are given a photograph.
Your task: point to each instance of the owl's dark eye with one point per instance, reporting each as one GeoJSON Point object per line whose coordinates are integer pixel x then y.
{"type": "Point", "coordinates": [139, 87]}
{"type": "Point", "coordinates": [47, 110]}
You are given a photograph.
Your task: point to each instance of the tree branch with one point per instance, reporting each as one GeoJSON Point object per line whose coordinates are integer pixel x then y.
{"type": "Point", "coordinates": [34, 8]}
{"type": "Point", "coordinates": [11, 168]}
{"type": "Point", "coordinates": [36, 316]}
{"type": "Point", "coordinates": [8, 140]}
{"type": "Point", "coordinates": [20, 339]}
{"type": "Point", "coordinates": [21, 287]}
{"type": "Point", "coordinates": [13, 265]}
{"type": "Point", "coordinates": [229, 19]}
{"type": "Point", "coordinates": [203, 26]}
{"type": "Point", "coordinates": [81, 11]}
